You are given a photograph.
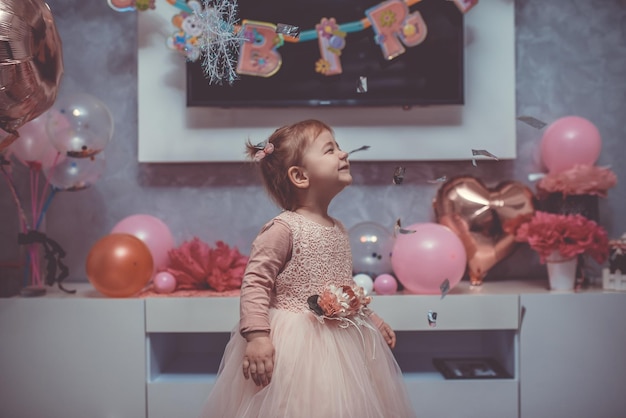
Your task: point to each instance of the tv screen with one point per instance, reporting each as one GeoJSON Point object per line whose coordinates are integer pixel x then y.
{"type": "Point", "coordinates": [345, 53]}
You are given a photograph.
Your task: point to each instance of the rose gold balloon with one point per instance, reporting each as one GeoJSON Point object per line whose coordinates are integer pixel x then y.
{"type": "Point", "coordinates": [484, 219]}
{"type": "Point", "coordinates": [31, 63]}
{"type": "Point", "coordinates": [119, 265]}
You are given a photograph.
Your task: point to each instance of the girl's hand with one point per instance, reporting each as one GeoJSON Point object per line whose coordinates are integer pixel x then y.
{"type": "Point", "coordinates": [258, 361]}
{"type": "Point", "coordinates": [388, 334]}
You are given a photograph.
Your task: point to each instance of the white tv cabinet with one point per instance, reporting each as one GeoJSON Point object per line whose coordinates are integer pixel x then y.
{"type": "Point", "coordinates": [86, 355]}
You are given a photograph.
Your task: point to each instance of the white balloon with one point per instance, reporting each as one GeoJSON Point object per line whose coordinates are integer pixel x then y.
{"type": "Point", "coordinates": [364, 281]}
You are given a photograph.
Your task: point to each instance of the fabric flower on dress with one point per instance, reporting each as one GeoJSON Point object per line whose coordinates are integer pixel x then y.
{"type": "Point", "coordinates": [340, 302]}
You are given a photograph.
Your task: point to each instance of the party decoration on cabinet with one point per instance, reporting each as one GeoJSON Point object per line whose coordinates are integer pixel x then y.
{"type": "Point", "coordinates": [365, 282]}
{"type": "Point", "coordinates": [371, 245]}
{"type": "Point", "coordinates": [423, 260]}
{"type": "Point", "coordinates": [385, 284]}
{"type": "Point", "coordinates": [153, 232]}
{"type": "Point", "coordinates": [561, 242]}
{"type": "Point", "coordinates": [73, 174]}
{"type": "Point", "coordinates": [119, 265]}
{"type": "Point", "coordinates": [46, 146]}
{"type": "Point", "coordinates": [56, 270]}
{"type": "Point", "coordinates": [576, 190]}
{"type": "Point", "coordinates": [34, 149]}
{"type": "Point", "coordinates": [31, 65]}
{"type": "Point", "coordinates": [579, 180]}
{"type": "Point", "coordinates": [485, 219]}
{"type": "Point", "coordinates": [196, 266]}
{"type": "Point", "coordinates": [569, 141]}
{"type": "Point", "coordinates": [567, 236]}
{"type": "Point", "coordinates": [80, 125]}
{"type": "Point", "coordinates": [164, 282]}
{"type": "Point", "coordinates": [614, 276]}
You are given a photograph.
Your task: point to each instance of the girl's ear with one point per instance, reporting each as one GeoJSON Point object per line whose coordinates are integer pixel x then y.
{"type": "Point", "coordinates": [298, 176]}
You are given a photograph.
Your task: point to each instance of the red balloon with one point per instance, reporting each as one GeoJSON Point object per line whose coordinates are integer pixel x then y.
{"type": "Point", "coordinates": [119, 265]}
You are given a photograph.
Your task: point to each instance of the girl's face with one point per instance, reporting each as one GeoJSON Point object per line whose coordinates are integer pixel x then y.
{"type": "Point", "coordinates": [326, 164]}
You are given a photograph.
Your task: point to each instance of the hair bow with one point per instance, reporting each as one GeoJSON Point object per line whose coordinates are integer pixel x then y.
{"type": "Point", "coordinates": [267, 149]}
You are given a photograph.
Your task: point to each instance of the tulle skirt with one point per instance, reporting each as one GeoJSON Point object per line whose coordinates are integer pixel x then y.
{"type": "Point", "coordinates": [321, 370]}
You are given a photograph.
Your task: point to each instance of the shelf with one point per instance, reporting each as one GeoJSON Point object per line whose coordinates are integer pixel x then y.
{"type": "Point", "coordinates": [183, 357]}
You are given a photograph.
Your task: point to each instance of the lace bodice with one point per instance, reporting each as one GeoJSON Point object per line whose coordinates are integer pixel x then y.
{"type": "Point", "coordinates": [320, 256]}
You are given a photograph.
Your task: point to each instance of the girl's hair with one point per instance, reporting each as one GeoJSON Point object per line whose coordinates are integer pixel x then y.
{"type": "Point", "coordinates": [289, 144]}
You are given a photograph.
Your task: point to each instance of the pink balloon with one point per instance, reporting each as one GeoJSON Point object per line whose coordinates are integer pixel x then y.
{"type": "Point", "coordinates": [385, 284]}
{"type": "Point", "coordinates": [153, 232]}
{"type": "Point", "coordinates": [423, 260]}
{"type": "Point", "coordinates": [164, 282]}
{"type": "Point", "coordinates": [569, 141]}
{"type": "Point", "coordinates": [33, 148]}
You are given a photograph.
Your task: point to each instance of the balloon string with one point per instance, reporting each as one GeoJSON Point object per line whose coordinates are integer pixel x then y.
{"type": "Point", "coordinates": [16, 199]}
{"type": "Point", "coordinates": [45, 206]}
{"type": "Point", "coordinates": [46, 202]}
{"type": "Point", "coordinates": [33, 210]}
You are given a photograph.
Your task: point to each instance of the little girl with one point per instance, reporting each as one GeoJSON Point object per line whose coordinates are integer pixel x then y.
{"type": "Point", "coordinates": [298, 353]}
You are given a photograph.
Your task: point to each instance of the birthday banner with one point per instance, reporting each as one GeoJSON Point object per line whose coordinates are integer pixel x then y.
{"type": "Point", "coordinates": [252, 47]}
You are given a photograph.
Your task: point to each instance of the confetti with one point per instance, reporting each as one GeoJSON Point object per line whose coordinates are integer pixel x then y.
{"type": "Point", "coordinates": [432, 319]}
{"type": "Point", "coordinates": [361, 86]}
{"type": "Point", "coordinates": [482, 152]}
{"type": "Point", "coordinates": [445, 288]}
{"type": "Point", "coordinates": [289, 30]}
{"type": "Point", "coordinates": [398, 229]}
{"type": "Point", "coordinates": [439, 180]}
{"type": "Point", "coordinates": [363, 148]}
{"type": "Point", "coordinates": [534, 122]}
{"type": "Point", "coordinates": [398, 175]}
{"type": "Point", "coordinates": [485, 153]}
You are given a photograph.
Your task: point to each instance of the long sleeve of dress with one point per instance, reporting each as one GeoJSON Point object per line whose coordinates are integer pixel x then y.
{"type": "Point", "coordinates": [270, 251]}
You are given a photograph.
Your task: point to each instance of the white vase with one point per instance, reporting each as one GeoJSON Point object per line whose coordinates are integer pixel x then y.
{"type": "Point", "coordinates": [561, 272]}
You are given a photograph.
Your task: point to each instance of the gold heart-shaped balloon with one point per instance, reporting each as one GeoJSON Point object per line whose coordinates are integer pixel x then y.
{"type": "Point", "coordinates": [485, 219]}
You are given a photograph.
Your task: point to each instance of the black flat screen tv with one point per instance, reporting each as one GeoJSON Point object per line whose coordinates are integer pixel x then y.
{"type": "Point", "coordinates": [428, 73]}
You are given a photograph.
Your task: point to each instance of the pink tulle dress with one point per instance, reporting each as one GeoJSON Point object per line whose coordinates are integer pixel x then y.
{"type": "Point", "coordinates": [321, 369]}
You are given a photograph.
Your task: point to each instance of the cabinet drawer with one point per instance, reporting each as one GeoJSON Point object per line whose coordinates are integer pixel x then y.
{"type": "Point", "coordinates": [212, 314]}
{"type": "Point", "coordinates": [402, 312]}
{"type": "Point", "coordinates": [454, 312]}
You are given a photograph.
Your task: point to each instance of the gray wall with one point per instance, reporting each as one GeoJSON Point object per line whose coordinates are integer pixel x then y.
{"type": "Point", "coordinates": [570, 60]}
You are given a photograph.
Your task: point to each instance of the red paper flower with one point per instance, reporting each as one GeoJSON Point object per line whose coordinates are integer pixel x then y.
{"type": "Point", "coordinates": [226, 268]}
{"type": "Point", "coordinates": [569, 235]}
{"type": "Point", "coordinates": [196, 266]}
